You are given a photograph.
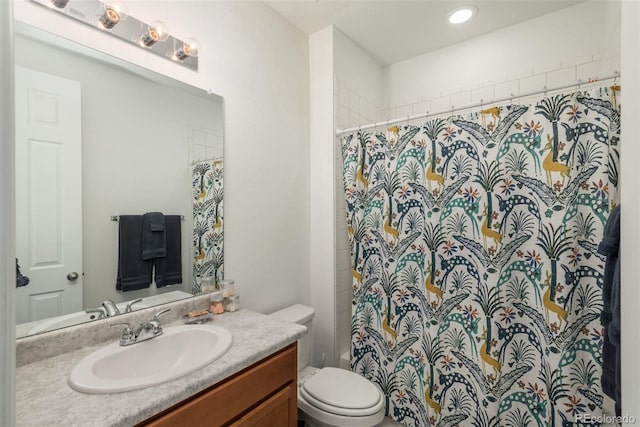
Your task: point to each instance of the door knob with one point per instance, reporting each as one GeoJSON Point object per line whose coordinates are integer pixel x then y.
{"type": "Point", "coordinates": [73, 276]}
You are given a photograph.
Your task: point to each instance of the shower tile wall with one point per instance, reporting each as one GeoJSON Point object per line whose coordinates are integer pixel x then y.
{"type": "Point", "coordinates": [205, 143]}
{"type": "Point", "coordinates": [583, 68]}
{"type": "Point", "coordinates": [350, 110]}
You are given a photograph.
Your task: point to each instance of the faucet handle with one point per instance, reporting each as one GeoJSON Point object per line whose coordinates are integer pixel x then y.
{"type": "Point", "coordinates": [161, 312]}
{"type": "Point", "coordinates": [110, 308]}
{"type": "Point", "coordinates": [155, 322]}
{"type": "Point", "coordinates": [129, 308]}
{"type": "Point", "coordinates": [127, 333]}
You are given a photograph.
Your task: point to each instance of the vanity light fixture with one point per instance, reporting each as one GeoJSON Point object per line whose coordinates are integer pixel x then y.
{"type": "Point", "coordinates": [156, 31]}
{"type": "Point", "coordinates": [113, 12]}
{"type": "Point", "coordinates": [462, 14]}
{"type": "Point", "coordinates": [108, 16]}
{"type": "Point", "coordinates": [188, 49]}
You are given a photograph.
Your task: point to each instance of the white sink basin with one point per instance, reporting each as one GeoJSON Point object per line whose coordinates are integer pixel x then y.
{"type": "Point", "coordinates": [179, 351]}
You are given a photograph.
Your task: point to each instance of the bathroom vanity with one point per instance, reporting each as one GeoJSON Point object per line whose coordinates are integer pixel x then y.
{"type": "Point", "coordinates": [253, 383]}
{"type": "Point", "coordinates": [263, 394]}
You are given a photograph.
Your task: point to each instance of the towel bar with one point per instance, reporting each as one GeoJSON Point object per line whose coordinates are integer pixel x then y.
{"type": "Point", "coordinates": [117, 217]}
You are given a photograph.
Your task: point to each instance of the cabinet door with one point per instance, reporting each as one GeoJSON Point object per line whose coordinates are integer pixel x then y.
{"type": "Point", "coordinates": [280, 410]}
{"type": "Point", "coordinates": [264, 385]}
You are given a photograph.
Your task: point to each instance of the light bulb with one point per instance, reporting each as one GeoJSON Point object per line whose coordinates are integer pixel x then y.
{"type": "Point", "coordinates": [189, 48]}
{"type": "Point", "coordinates": [114, 11]}
{"type": "Point", "coordinates": [156, 31]}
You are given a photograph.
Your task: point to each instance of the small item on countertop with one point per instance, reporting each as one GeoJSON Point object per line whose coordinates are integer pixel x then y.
{"type": "Point", "coordinates": [216, 306]}
{"type": "Point", "coordinates": [208, 284]}
{"type": "Point", "coordinates": [198, 316]}
{"type": "Point", "coordinates": [197, 313]}
{"type": "Point", "coordinates": [232, 303]}
{"type": "Point", "coordinates": [228, 288]}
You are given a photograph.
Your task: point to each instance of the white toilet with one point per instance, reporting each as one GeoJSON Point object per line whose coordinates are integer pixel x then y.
{"type": "Point", "coordinates": [331, 397]}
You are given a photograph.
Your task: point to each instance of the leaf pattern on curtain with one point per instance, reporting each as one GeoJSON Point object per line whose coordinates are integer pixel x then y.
{"type": "Point", "coordinates": [208, 214]}
{"type": "Point", "coordinates": [476, 281]}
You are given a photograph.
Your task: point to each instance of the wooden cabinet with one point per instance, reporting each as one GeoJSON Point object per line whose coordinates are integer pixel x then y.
{"type": "Point", "coordinates": [263, 395]}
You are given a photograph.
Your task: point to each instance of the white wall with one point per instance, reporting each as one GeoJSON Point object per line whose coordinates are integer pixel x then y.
{"type": "Point", "coordinates": [359, 82]}
{"type": "Point", "coordinates": [322, 214]}
{"type": "Point", "coordinates": [630, 209]}
{"type": "Point", "coordinates": [357, 100]}
{"type": "Point", "coordinates": [259, 63]}
{"type": "Point", "coordinates": [580, 42]}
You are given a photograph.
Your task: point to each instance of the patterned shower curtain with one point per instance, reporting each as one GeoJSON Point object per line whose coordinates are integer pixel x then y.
{"type": "Point", "coordinates": [477, 287]}
{"type": "Point", "coordinates": [208, 216]}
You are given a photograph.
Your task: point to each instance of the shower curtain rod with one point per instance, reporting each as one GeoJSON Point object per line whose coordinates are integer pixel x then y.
{"type": "Point", "coordinates": [208, 159]}
{"type": "Point", "coordinates": [453, 109]}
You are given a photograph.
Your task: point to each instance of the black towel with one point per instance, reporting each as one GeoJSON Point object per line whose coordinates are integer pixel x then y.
{"type": "Point", "coordinates": [133, 272]}
{"type": "Point", "coordinates": [610, 316]}
{"type": "Point", "coordinates": [21, 280]}
{"type": "Point", "coordinates": [169, 268]}
{"type": "Point", "coordinates": [153, 236]}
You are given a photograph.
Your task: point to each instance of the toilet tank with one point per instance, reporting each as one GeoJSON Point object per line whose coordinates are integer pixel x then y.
{"type": "Point", "coordinates": [302, 315]}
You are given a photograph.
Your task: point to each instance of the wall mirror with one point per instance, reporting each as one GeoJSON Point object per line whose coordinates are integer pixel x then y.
{"type": "Point", "coordinates": [96, 138]}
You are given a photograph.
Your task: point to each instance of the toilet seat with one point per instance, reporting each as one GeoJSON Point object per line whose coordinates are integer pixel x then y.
{"type": "Point", "coordinates": [342, 392]}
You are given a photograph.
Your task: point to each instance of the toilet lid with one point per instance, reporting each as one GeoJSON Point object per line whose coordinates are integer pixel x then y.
{"type": "Point", "coordinates": [339, 388]}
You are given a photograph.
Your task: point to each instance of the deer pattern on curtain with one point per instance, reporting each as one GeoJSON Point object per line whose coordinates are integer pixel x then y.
{"type": "Point", "coordinates": [476, 280]}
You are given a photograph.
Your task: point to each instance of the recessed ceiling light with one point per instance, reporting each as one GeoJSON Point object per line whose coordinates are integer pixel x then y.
{"type": "Point", "coordinates": [462, 14]}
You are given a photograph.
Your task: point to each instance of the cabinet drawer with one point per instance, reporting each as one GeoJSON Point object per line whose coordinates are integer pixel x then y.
{"type": "Point", "coordinates": [280, 410]}
{"type": "Point", "coordinates": [236, 395]}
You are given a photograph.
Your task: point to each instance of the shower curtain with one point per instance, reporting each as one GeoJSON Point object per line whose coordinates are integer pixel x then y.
{"type": "Point", "coordinates": [477, 287]}
{"type": "Point", "coordinates": [208, 216]}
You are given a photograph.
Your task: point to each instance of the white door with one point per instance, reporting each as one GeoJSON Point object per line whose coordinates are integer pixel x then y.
{"type": "Point", "coordinates": [48, 194]}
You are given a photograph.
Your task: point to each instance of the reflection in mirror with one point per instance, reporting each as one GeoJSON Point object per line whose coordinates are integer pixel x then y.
{"type": "Point", "coordinates": [97, 137]}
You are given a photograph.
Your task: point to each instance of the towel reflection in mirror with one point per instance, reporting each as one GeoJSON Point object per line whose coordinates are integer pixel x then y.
{"type": "Point", "coordinates": [147, 242]}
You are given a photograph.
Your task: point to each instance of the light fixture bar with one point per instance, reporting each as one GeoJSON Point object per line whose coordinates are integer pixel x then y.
{"type": "Point", "coordinates": [131, 30]}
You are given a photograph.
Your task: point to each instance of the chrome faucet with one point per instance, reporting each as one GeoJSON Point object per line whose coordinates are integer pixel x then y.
{"type": "Point", "coordinates": [146, 330]}
{"type": "Point", "coordinates": [110, 308]}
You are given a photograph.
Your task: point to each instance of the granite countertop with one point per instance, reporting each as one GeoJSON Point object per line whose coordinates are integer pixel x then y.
{"type": "Point", "coordinates": [43, 397]}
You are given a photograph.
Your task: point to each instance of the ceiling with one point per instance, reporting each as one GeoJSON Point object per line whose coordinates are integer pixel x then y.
{"type": "Point", "coordinates": [395, 30]}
